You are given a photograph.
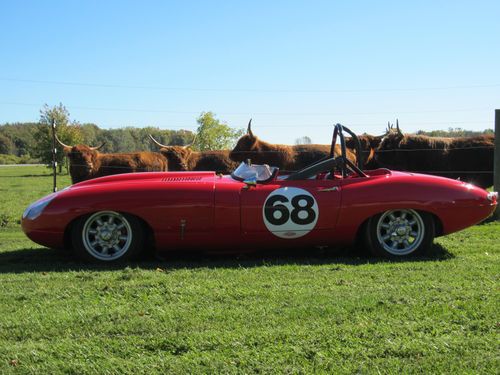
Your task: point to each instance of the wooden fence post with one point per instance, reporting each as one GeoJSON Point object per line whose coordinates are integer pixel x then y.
{"type": "Point", "coordinates": [496, 165]}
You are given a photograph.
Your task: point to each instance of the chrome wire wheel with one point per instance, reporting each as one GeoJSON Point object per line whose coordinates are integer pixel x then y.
{"type": "Point", "coordinates": [400, 232]}
{"type": "Point", "coordinates": [107, 235]}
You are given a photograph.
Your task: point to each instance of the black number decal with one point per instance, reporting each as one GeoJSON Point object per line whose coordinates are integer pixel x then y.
{"type": "Point", "coordinates": [311, 215]}
{"type": "Point", "coordinates": [270, 208]}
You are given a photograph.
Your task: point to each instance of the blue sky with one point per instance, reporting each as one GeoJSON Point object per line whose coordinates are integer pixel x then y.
{"type": "Point", "coordinates": [295, 67]}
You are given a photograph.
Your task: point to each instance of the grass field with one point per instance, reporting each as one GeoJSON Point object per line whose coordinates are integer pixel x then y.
{"type": "Point", "coordinates": [305, 312]}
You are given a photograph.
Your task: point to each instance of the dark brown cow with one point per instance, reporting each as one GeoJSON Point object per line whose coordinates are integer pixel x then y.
{"type": "Point", "coordinates": [289, 158]}
{"type": "Point", "coordinates": [183, 158]}
{"type": "Point", "coordinates": [467, 158]}
{"type": "Point", "coordinates": [368, 144]}
{"type": "Point", "coordinates": [86, 162]}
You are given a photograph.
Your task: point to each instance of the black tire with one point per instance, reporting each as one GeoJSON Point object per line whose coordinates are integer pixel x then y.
{"type": "Point", "coordinates": [399, 233]}
{"type": "Point", "coordinates": [107, 237]}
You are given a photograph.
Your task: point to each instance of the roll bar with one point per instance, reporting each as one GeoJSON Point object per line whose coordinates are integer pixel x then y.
{"type": "Point", "coordinates": [331, 162]}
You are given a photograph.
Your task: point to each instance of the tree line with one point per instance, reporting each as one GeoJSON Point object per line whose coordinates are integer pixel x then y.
{"type": "Point", "coordinates": [32, 142]}
{"type": "Point", "coordinates": [455, 132]}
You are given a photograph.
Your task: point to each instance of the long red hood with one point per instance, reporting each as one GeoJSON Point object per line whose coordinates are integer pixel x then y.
{"type": "Point", "coordinates": [148, 176]}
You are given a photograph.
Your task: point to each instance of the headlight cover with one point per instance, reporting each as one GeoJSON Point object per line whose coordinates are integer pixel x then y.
{"type": "Point", "coordinates": [35, 210]}
{"type": "Point", "coordinates": [493, 196]}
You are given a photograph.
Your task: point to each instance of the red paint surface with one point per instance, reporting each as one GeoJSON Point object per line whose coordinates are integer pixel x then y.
{"type": "Point", "coordinates": [222, 214]}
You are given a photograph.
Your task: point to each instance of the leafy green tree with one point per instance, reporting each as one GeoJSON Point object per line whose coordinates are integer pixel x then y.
{"type": "Point", "coordinates": [22, 135]}
{"type": "Point", "coordinates": [90, 134]}
{"type": "Point", "coordinates": [6, 145]}
{"type": "Point", "coordinates": [181, 137]}
{"type": "Point", "coordinates": [118, 140]}
{"type": "Point", "coordinates": [213, 134]}
{"type": "Point", "coordinates": [166, 137]}
{"type": "Point", "coordinates": [68, 132]}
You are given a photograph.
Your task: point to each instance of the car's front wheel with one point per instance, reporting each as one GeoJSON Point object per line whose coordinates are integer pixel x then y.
{"type": "Point", "coordinates": [107, 236]}
{"type": "Point", "coordinates": [399, 233]}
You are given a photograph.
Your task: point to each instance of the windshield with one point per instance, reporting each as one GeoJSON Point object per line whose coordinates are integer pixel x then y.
{"type": "Point", "coordinates": [257, 172]}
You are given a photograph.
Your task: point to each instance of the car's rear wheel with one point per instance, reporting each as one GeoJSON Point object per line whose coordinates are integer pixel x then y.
{"type": "Point", "coordinates": [107, 236]}
{"type": "Point", "coordinates": [400, 233]}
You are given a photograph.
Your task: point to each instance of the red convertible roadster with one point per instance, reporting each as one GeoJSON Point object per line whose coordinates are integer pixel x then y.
{"type": "Point", "coordinates": [395, 214]}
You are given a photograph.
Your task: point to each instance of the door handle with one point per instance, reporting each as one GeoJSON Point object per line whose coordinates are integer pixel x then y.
{"type": "Point", "coordinates": [324, 190]}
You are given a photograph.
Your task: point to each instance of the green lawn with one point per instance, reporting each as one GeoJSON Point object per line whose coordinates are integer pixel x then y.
{"type": "Point", "coordinates": [305, 312]}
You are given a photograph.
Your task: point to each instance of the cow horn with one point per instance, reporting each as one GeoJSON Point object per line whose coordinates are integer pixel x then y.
{"type": "Point", "coordinates": [397, 127]}
{"type": "Point", "coordinates": [249, 128]}
{"type": "Point", "coordinates": [98, 147]}
{"type": "Point", "coordinates": [59, 141]}
{"type": "Point", "coordinates": [192, 143]}
{"type": "Point", "coordinates": [155, 141]}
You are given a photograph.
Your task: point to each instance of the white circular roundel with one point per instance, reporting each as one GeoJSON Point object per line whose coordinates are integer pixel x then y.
{"type": "Point", "coordinates": [290, 212]}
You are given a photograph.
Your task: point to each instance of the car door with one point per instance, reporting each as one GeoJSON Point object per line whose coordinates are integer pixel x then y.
{"type": "Point", "coordinates": [290, 209]}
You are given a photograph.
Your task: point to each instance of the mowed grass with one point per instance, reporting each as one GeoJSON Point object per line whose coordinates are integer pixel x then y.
{"type": "Point", "coordinates": [21, 186]}
{"type": "Point", "coordinates": [302, 312]}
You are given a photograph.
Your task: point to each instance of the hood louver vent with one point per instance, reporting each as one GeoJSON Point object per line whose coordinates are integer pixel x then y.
{"type": "Point", "coordinates": [175, 179]}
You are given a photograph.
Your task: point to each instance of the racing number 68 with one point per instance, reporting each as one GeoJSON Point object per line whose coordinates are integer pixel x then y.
{"type": "Point", "coordinates": [290, 212]}
{"type": "Point", "coordinates": [301, 214]}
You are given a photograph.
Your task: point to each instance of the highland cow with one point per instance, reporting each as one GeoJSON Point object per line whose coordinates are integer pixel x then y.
{"type": "Point", "coordinates": [467, 158]}
{"type": "Point", "coordinates": [183, 158]}
{"type": "Point", "coordinates": [288, 158]}
{"type": "Point", "coordinates": [86, 162]}
{"type": "Point", "coordinates": [368, 144]}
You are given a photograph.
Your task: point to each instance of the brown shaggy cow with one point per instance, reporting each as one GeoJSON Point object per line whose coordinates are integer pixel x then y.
{"type": "Point", "coordinates": [467, 158]}
{"type": "Point", "coordinates": [288, 158]}
{"type": "Point", "coordinates": [86, 162]}
{"type": "Point", "coordinates": [183, 158]}
{"type": "Point", "coordinates": [368, 144]}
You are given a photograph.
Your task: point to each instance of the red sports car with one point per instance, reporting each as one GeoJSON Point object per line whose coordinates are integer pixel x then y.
{"type": "Point", "coordinates": [331, 202]}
